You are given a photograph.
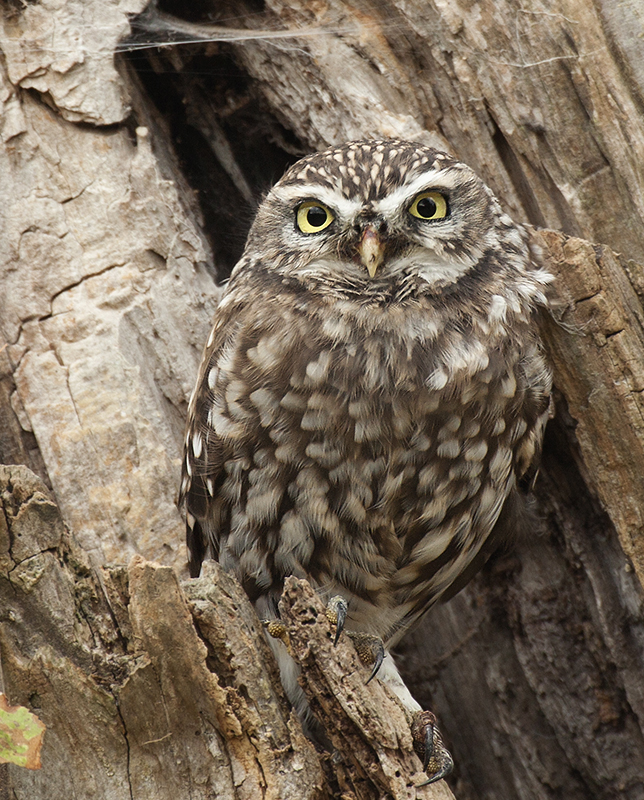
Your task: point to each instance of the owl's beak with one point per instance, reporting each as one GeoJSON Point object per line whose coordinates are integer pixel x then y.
{"type": "Point", "coordinates": [371, 250]}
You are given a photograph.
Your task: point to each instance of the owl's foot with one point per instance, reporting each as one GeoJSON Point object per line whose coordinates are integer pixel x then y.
{"type": "Point", "coordinates": [370, 649]}
{"type": "Point", "coordinates": [277, 630]}
{"type": "Point", "coordinates": [429, 746]}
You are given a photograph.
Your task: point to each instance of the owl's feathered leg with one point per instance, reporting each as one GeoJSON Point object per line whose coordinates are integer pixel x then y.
{"type": "Point", "coordinates": [428, 742]}
{"type": "Point", "coordinates": [289, 670]}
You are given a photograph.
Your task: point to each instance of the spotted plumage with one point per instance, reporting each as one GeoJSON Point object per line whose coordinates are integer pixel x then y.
{"type": "Point", "coordinates": [373, 391]}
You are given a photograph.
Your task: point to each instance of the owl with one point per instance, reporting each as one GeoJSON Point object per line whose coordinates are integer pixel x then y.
{"type": "Point", "coordinates": [373, 394]}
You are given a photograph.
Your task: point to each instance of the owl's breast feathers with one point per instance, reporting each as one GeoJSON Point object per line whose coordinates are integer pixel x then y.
{"type": "Point", "coordinates": [375, 451]}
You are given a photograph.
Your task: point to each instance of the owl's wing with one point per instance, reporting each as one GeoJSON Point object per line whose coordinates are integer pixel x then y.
{"type": "Point", "coordinates": [205, 452]}
{"type": "Point", "coordinates": [518, 517]}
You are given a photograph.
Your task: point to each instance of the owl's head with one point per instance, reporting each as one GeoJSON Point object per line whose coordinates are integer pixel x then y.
{"type": "Point", "coordinates": [370, 214]}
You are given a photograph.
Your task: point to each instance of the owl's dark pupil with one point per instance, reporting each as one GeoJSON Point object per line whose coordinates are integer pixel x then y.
{"type": "Point", "coordinates": [426, 207]}
{"type": "Point", "coordinates": [316, 216]}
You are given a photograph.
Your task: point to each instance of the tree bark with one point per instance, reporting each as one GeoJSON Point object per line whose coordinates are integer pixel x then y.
{"type": "Point", "coordinates": [121, 182]}
{"type": "Point", "coordinates": [153, 691]}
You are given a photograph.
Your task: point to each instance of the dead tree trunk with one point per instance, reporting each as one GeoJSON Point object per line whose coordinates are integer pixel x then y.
{"type": "Point", "coordinates": [126, 188]}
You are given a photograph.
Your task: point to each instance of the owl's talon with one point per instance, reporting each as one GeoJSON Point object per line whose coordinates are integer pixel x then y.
{"type": "Point", "coordinates": [428, 744]}
{"type": "Point", "coordinates": [336, 613]}
{"type": "Point", "coordinates": [376, 667]}
{"type": "Point", "coordinates": [370, 649]}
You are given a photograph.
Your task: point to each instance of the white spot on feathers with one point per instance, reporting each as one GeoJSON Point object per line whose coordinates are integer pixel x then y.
{"type": "Point", "coordinates": [449, 449]}
{"type": "Point", "coordinates": [316, 371]}
{"type": "Point", "coordinates": [475, 451]}
{"type": "Point", "coordinates": [196, 444]}
{"type": "Point", "coordinates": [266, 404]}
{"type": "Point", "coordinates": [213, 375]}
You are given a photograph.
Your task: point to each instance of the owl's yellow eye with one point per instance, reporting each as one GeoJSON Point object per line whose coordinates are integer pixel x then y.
{"type": "Point", "coordinates": [428, 206]}
{"type": "Point", "coordinates": [313, 217]}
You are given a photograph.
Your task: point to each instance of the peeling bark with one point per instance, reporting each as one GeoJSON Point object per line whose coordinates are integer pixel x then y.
{"type": "Point", "coordinates": [107, 301]}
{"type": "Point", "coordinates": [151, 689]}
{"type": "Point", "coordinates": [65, 53]}
{"type": "Point", "coordinates": [366, 724]}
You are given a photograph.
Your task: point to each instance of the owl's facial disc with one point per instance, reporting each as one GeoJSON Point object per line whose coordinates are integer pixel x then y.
{"type": "Point", "coordinates": [356, 224]}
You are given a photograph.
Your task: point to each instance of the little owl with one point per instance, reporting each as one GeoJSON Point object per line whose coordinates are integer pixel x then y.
{"type": "Point", "coordinates": [373, 394]}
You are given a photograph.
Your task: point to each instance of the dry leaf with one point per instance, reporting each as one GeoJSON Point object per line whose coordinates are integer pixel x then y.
{"type": "Point", "coordinates": [21, 735]}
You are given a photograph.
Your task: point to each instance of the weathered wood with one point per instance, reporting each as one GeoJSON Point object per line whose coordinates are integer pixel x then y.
{"type": "Point", "coordinates": [114, 664]}
{"type": "Point", "coordinates": [149, 690]}
{"type": "Point", "coordinates": [596, 343]}
{"type": "Point", "coordinates": [367, 726]}
{"type": "Point", "coordinates": [106, 293]}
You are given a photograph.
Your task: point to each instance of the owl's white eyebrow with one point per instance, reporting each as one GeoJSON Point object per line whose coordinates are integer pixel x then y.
{"type": "Point", "coordinates": [433, 179]}
{"type": "Point", "coordinates": [345, 208]}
